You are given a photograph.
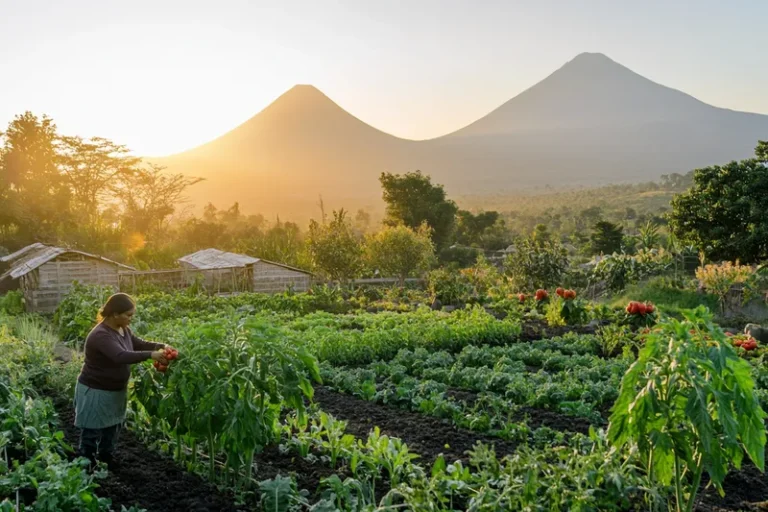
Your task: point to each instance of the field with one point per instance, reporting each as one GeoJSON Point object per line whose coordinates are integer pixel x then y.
{"type": "Point", "coordinates": [307, 402]}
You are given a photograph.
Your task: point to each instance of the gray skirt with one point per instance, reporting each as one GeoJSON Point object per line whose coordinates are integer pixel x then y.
{"type": "Point", "coordinates": [97, 408]}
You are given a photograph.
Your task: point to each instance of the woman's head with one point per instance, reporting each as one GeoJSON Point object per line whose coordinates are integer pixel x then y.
{"type": "Point", "coordinates": [118, 309]}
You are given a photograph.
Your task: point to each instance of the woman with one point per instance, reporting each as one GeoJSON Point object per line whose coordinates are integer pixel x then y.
{"type": "Point", "coordinates": [101, 393]}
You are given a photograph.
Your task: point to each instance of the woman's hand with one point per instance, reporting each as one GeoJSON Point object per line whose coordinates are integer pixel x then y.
{"type": "Point", "coordinates": [159, 356]}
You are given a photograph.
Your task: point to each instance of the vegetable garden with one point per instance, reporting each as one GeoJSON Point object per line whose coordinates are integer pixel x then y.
{"type": "Point", "coordinates": [316, 402]}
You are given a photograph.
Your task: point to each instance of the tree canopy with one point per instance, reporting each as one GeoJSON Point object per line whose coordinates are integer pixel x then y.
{"type": "Point", "coordinates": [411, 199]}
{"type": "Point", "coordinates": [724, 213]}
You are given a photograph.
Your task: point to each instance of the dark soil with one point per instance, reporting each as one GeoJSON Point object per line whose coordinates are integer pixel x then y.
{"type": "Point", "coordinates": [744, 490]}
{"type": "Point", "coordinates": [535, 417]}
{"type": "Point", "coordinates": [540, 330]}
{"type": "Point", "coordinates": [149, 479]}
{"type": "Point", "coordinates": [425, 435]}
{"type": "Point", "coordinates": [156, 482]}
{"type": "Point", "coordinates": [554, 420]}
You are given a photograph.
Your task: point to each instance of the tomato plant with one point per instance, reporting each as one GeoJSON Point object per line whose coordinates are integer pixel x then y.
{"type": "Point", "coordinates": [688, 406]}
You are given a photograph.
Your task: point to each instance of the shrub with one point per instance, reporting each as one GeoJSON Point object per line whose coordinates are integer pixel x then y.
{"type": "Point", "coordinates": [537, 263]}
{"type": "Point", "coordinates": [12, 303]}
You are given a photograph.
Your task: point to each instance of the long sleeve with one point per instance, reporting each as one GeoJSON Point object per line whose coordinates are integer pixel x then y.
{"type": "Point", "coordinates": [140, 344]}
{"type": "Point", "coordinates": [111, 349]}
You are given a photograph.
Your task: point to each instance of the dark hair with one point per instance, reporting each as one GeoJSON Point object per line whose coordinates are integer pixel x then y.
{"type": "Point", "coordinates": [117, 304]}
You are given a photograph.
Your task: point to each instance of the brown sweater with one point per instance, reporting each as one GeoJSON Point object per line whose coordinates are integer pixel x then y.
{"type": "Point", "coordinates": [108, 357]}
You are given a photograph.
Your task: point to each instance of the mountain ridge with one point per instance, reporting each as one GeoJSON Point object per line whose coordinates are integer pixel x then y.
{"type": "Point", "coordinates": [591, 121]}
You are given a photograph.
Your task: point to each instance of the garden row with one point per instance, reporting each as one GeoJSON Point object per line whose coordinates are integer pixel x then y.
{"type": "Point", "coordinates": [37, 467]}
{"type": "Point", "coordinates": [262, 365]}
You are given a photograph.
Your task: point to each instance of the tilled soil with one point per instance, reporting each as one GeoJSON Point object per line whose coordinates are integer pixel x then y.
{"type": "Point", "coordinates": [425, 435]}
{"type": "Point", "coordinates": [744, 490]}
{"type": "Point", "coordinates": [149, 479]}
{"type": "Point", "coordinates": [157, 483]}
{"type": "Point", "coordinates": [533, 416]}
{"type": "Point", "coordinates": [533, 331]}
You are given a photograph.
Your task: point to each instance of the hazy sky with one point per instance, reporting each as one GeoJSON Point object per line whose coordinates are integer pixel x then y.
{"type": "Point", "coordinates": [166, 75]}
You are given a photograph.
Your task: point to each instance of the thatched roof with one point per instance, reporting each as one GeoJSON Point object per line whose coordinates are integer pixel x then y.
{"type": "Point", "coordinates": [36, 255]}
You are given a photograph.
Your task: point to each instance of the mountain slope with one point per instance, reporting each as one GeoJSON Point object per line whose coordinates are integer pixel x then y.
{"type": "Point", "coordinates": [593, 121]}
{"type": "Point", "coordinates": [299, 147]}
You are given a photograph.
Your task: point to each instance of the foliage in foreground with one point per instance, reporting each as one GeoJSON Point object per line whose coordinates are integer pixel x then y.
{"type": "Point", "coordinates": [689, 407]}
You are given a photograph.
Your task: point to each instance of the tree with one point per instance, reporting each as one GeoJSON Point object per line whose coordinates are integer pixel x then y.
{"type": "Point", "coordinates": [606, 238]}
{"type": "Point", "coordinates": [485, 229]}
{"type": "Point", "coordinates": [412, 199]}
{"type": "Point", "coordinates": [723, 213]}
{"type": "Point", "coordinates": [362, 221]}
{"type": "Point", "coordinates": [400, 251]}
{"type": "Point", "coordinates": [33, 194]}
{"type": "Point", "coordinates": [761, 151]}
{"type": "Point", "coordinates": [150, 196]}
{"type": "Point", "coordinates": [94, 171]}
{"type": "Point", "coordinates": [649, 235]}
{"type": "Point", "coordinates": [282, 242]}
{"type": "Point", "coordinates": [335, 248]}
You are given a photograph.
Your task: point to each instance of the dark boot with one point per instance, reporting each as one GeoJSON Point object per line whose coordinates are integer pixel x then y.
{"type": "Point", "coordinates": [89, 445]}
{"type": "Point", "coordinates": [109, 460]}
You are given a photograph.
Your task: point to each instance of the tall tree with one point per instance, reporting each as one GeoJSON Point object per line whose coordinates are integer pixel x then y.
{"type": "Point", "coordinates": [412, 199]}
{"type": "Point", "coordinates": [34, 195]}
{"type": "Point", "coordinates": [150, 196]}
{"type": "Point", "coordinates": [606, 238]}
{"type": "Point", "coordinates": [94, 170]}
{"type": "Point", "coordinates": [335, 248]}
{"type": "Point", "coordinates": [723, 213]}
{"type": "Point", "coordinates": [400, 251]}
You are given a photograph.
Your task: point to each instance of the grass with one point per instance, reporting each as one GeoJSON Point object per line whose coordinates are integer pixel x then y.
{"type": "Point", "coordinates": [670, 300]}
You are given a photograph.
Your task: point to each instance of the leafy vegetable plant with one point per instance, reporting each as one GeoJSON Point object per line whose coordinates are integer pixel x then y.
{"type": "Point", "coordinates": [688, 406]}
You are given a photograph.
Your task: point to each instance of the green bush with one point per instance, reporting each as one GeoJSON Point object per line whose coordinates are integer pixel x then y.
{"type": "Point", "coordinates": [76, 314]}
{"type": "Point", "coordinates": [12, 303]}
{"type": "Point", "coordinates": [537, 264]}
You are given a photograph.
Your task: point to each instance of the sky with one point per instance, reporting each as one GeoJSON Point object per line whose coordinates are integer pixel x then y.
{"type": "Point", "coordinates": [163, 76]}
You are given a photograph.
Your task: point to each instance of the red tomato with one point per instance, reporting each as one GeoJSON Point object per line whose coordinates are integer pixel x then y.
{"type": "Point", "coordinates": [641, 309]}
{"type": "Point", "coordinates": [521, 297]}
{"type": "Point", "coordinates": [570, 294]}
{"type": "Point", "coordinates": [560, 292]}
{"type": "Point", "coordinates": [649, 308]}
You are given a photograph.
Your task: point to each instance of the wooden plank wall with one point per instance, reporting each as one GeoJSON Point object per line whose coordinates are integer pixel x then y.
{"type": "Point", "coordinates": [224, 280]}
{"type": "Point", "coordinates": [268, 278]}
{"type": "Point", "coordinates": [45, 287]}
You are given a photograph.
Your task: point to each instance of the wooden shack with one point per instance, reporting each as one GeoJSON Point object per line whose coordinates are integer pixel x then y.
{"type": "Point", "coordinates": [267, 276]}
{"type": "Point", "coordinates": [45, 274]}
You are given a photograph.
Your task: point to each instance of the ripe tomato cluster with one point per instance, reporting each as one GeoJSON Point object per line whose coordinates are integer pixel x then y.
{"type": "Point", "coordinates": [542, 294]}
{"type": "Point", "coordinates": [640, 308]}
{"type": "Point", "coordinates": [749, 344]}
{"type": "Point", "coordinates": [170, 355]}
